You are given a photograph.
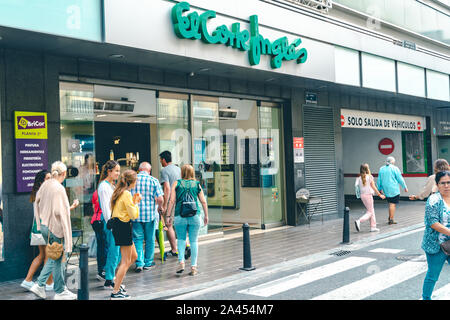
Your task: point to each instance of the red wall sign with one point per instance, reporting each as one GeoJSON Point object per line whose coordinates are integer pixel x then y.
{"type": "Point", "coordinates": [386, 146]}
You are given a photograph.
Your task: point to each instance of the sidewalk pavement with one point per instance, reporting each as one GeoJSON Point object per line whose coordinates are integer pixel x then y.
{"type": "Point", "coordinates": [220, 259]}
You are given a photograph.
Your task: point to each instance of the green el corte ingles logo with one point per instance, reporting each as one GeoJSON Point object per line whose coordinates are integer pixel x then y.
{"type": "Point", "coordinates": [194, 26]}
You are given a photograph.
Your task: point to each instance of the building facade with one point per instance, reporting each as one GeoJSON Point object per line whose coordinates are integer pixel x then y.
{"type": "Point", "coordinates": [263, 97]}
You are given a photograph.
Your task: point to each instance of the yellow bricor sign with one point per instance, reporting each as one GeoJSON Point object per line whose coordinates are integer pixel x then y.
{"type": "Point", "coordinates": [30, 125]}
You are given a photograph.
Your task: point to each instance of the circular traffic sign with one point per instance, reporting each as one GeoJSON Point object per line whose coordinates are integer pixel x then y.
{"type": "Point", "coordinates": [386, 146]}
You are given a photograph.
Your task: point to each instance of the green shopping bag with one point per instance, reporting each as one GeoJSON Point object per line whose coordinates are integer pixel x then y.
{"type": "Point", "coordinates": [161, 239]}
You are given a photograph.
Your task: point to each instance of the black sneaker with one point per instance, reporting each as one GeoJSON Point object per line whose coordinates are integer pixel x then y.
{"type": "Point", "coordinates": [171, 254]}
{"type": "Point", "coordinates": [150, 266]}
{"type": "Point", "coordinates": [101, 276]}
{"type": "Point", "coordinates": [119, 296]}
{"type": "Point", "coordinates": [138, 269]}
{"type": "Point", "coordinates": [187, 253]}
{"type": "Point", "coordinates": [110, 286]}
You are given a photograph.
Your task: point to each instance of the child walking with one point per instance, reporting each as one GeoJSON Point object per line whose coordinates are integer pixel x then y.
{"type": "Point", "coordinates": [367, 187]}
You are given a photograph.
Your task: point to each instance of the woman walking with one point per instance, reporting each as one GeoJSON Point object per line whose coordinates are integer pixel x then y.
{"type": "Point", "coordinates": [367, 187]}
{"type": "Point", "coordinates": [437, 231]}
{"type": "Point", "coordinates": [39, 179]}
{"type": "Point", "coordinates": [109, 175]}
{"type": "Point", "coordinates": [124, 208]}
{"type": "Point", "coordinates": [185, 188]}
{"type": "Point", "coordinates": [52, 213]}
{"type": "Point", "coordinates": [430, 185]}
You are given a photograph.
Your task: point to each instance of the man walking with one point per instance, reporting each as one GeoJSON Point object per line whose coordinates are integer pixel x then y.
{"type": "Point", "coordinates": [144, 226]}
{"type": "Point", "coordinates": [169, 174]}
{"type": "Point", "coordinates": [389, 177]}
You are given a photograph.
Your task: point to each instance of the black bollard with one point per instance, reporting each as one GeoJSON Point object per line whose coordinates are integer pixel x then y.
{"type": "Point", "coordinates": [346, 233]}
{"type": "Point", "coordinates": [247, 254]}
{"type": "Point", "coordinates": [83, 289]}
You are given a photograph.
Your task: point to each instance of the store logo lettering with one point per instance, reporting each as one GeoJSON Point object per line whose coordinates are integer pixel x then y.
{"type": "Point", "coordinates": [193, 26]}
{"type": "Point", "coordinates": [33, 122]}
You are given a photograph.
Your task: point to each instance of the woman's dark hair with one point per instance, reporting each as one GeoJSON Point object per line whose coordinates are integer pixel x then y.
{"type": "Point", "coordinates": [109, 165]}
{"type": "Point", "coordinates": [166, 155]}
{"type": "Point", "coordinates": [441, 174]}
{"type": "Point", "coordinates": [38, 180]}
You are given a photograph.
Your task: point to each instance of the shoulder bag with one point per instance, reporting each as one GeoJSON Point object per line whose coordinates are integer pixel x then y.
{"type": "Point", "coordinates": [54, 250]}
{"type": "Point", "coordinates": [445, 246]}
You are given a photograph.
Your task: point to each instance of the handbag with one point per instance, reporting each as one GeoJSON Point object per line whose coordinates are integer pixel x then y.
{"type": "Point", "coordinates": [357, 189]}
{"type": "Point", "coordinates": [445, 246]}
{"type": "Point", "coordinates": [54, 250]}
{"type": "Point", "coordinates": [37, 239]}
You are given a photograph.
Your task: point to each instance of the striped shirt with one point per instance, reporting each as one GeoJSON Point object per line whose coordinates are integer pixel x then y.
{"type": "Point", "coordinates": [150, 189]}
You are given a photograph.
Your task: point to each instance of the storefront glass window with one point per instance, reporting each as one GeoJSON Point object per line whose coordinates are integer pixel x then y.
{"type": "Point", "coordinates": [411, 79]}
{"type": "Point", "coordinates": [2, 251]}
{"type": "Point", "coordinates": [438, 85]}
{"type": "Point", "coordinates": [414, 157]}
{"type": "Point", "coordinates": [272, 183]}
{"type": "Point", "coordinates": [207, 144]}
{"type": "Point", "coordinates": [347, 66]}
{"type": "Point", "coordinates": [378, 73]}
{"type": "Point", "coordinates": [78, 150]}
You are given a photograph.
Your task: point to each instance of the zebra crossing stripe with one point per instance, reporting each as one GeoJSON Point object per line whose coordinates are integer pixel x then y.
{"type": "Point", "coordinates": [442, 293]}
{"type": "Point", "coordinates": [378, 282]}
{"type": "Point", "coordinates": [286, 283]}
{"type": "Point", "coordinates": [386, 250]}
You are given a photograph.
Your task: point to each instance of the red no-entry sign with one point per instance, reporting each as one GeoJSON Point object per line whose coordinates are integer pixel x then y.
{"type": "Point", "coordinates": [386, 146]}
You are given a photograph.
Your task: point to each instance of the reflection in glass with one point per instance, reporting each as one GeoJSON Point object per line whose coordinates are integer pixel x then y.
{"type": "Point", "coordinates": [272, 183]}
{"type": "Point", "coordinates": [78, 150]}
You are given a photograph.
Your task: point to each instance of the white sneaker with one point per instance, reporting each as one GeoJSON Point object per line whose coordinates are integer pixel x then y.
{"type": "Point", "coordinates": [65, 295]}
{"type": "Point", "coordinates": [49, 287]}
{"type": "Point", "coordinates": [374, 229]}
{"type": "Point", "coordinates": [39, 291]}
{"type": "Point", "coordinates": [357, 225]}
{"type": "Point", "coordinates": [27, 284]}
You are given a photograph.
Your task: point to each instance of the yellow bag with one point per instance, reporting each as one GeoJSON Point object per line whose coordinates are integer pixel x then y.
{"type": "Point", "coordinates": [54, 250]}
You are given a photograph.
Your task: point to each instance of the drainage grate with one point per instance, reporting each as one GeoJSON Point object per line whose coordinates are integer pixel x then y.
{"type": "Point", "coordinates": [340, 253]}
{"type": "Point", "coordinates": [412, 257]}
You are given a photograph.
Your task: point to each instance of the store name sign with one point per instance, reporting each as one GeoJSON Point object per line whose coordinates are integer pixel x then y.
{"type": "Point", "coordinates": [382, 121]}
{"type": "Point", "coordinates": [31, 147]}
{"type": "Point", "coordinates": [194, 26]}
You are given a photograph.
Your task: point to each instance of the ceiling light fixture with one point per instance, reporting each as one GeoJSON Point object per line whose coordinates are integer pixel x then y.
{"type": "Point", "coordinates": [116, 56]}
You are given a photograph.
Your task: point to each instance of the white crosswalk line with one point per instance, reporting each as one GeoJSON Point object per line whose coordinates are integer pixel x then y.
{"type": "Point", "coordinates": [302, 278]}
{"type": "Point", "coordinates": [386, 250]}
{"type": "Point", "coordinates": [442, 293]}
{"type": "Point", "coordinates": [376, 283]}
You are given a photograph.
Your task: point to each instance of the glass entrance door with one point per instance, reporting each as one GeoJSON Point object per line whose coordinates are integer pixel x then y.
{"type": "Point", "coordinates": [78, 150]}
{"type": "Point", "coordinates": [271, 164]}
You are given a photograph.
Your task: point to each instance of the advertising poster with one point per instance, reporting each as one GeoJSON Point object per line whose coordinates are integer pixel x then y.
{"type": "Point", "coordinates": [299, 155]}
{"type": "Point", "coordinates": [31, 147]}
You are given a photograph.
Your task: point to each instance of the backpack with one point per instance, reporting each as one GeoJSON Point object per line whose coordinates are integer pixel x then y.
{"type": "Point", "coordinates": [188, 205]}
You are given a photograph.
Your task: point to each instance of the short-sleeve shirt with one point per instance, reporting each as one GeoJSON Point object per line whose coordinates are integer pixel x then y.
{"type": "Point", "coordinates": [150, 189]}
{"type": "Point", "coordinates": [365, 189]}
{"type": "Point", "coordinates": [170, 173]}
{"type": "Point", "coordinates": [445, 222]}
{"type": "Point", "coordinates": [183, 186]}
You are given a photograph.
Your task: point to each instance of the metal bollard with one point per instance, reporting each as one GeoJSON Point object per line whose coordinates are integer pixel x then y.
{"type": "Point", "coordinates": [346, 233]}
{"type": "Point", "coordinates": [83, 286]}
{"type": "Point", "coordinates": [247, 254]}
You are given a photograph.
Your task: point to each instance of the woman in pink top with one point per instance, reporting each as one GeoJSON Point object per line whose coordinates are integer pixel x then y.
{"type": "Point", "coordinates": [367, 187]}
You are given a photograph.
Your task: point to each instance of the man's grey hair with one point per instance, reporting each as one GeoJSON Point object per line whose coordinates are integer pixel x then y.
{"type": "Point", "coordinates": [145, 166]}
{"type": "Point", "coordinates": [390, 160]}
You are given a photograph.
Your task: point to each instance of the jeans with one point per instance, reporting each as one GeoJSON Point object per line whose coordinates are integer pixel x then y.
{"type": "Point", "coordinates": [57, 267]}
{"type": "Point", "coordinates": [435, 264]}
{"type": "Point", "coordinates": [144, 231]}
{"type": "Point", "coordinates": [191, 225]}
{"type": "Point", "coordinates": [101, 245]}
{"type": "Point", "coordinates": [112, 254]}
